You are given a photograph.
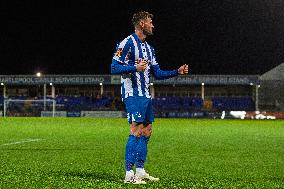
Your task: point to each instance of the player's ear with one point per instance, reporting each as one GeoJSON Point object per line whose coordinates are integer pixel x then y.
{"type": "Point", "coordinates": [141, 23]}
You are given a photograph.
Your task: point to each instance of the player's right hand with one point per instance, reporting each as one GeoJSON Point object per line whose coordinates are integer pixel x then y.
{"type": "Point", "coordinates": [141, 66]}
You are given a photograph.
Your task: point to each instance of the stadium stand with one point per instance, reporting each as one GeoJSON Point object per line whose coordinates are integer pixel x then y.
{"type": "Point", "coordinates": [71, 103]}
{"type": "Point", "coordinates": [233, 103]}
{"type": "Point", "coordinates": [177, 103]}
{"type": "Point", "coordinates": [86, 103]}
{"type": "Point", "coordinates": [187, 96]}
{"type": "Point", "coordinates": [271, 91]}
{"type": "Point", "coordinates": [1, 101]}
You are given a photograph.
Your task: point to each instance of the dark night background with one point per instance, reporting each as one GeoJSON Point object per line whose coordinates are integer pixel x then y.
{"type": "Point", "coordinates": [213, 37]}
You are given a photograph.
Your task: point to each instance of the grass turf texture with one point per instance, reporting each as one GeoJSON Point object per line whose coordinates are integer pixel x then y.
{"type": "Point", "coordinates": [184, 153]}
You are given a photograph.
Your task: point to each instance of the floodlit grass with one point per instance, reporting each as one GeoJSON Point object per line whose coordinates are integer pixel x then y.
{"type": "Point", "coordinates": [184, 153]}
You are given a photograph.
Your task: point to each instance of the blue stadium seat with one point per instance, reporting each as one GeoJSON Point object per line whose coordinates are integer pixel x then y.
{"type": "Point", "coordinates": [233, 103]}
{"type": "Point", "coordinates": [177, 103]}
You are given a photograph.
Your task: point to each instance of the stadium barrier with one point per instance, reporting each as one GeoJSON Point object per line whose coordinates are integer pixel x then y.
{"type": "Point", "coordinates": [113, 114]}
{"type": "Point", "coordinates": [53, 114]}
{"type": "Point", "coordinates": [110, 114]}
{"type": "Point", "coordinates": [164, 107]}
{"type": "Point", "coordinates": [167, 114]}
{"type": "Point", "coordinates": [73, 114]}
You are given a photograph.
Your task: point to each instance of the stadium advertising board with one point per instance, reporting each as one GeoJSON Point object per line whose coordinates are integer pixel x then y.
{"type": "Point", "coordinates": [55, 79]}
{"type": "Point", "coordinates": [116, 114]}
{"type": "Point", "coordinates": [115, 79]}
{"type": "Point", "coordinates": [212, 80]}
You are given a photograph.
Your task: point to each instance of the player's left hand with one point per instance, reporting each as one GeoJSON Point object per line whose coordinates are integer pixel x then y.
{"type": "Point", "coordinates": [183, 69]}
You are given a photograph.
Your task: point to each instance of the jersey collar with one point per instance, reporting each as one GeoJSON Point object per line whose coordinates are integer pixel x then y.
{"type": "Point", "coordinates": [137, 38]}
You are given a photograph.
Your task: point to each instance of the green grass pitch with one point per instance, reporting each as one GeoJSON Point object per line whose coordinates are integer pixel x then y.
{"type": "Point", "coordinates": [184, 153]}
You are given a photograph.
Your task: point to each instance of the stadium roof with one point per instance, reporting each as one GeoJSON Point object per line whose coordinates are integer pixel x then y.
{"type": "Point", "coordinates": [276, 73]}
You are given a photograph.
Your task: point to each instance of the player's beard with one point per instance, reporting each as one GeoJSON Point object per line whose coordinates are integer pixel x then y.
{"type": "Point", "coordinates": [147, 32]}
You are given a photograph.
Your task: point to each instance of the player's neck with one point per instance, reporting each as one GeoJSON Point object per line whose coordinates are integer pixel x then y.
{"type": "Point", "coordinates": [140, 35]}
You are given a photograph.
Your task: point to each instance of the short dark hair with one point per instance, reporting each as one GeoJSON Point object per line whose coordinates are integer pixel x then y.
{"type": "Point", "coordinates": [141, 15]}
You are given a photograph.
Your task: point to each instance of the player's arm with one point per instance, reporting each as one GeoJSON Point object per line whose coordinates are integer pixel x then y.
{"type": "Point", "coordinates": [118, 68]}
{"type": "Point", "coordinates": [118, 65]}
{"type": "Point", "coordinates": [162, 74]}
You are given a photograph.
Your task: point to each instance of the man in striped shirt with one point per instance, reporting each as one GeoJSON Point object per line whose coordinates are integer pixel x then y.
{"type": "Point", "coordinates": [135, 60]}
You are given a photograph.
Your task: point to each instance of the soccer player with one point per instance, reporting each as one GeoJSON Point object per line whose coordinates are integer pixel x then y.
{"type": "Point", "coordinates": [135, 60]}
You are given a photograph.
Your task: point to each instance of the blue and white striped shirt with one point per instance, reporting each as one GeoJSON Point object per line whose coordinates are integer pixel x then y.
{"type": "Point", "coordinates": [128, 53]}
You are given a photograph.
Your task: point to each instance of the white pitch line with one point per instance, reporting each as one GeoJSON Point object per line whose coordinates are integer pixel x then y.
{"type": "Point", "coordinates": [21, 142]}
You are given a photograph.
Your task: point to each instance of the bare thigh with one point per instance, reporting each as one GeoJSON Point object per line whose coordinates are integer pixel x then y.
{"type": "Point", "coordinates": [139, 129]}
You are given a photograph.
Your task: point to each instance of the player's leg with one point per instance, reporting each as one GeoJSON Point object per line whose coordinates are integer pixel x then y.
{"type": "Point", "coordinates": [142, 154]}
{"type": "Point", "coordinates": [131, 145]}
{"type": "Point", "coordinates": [132, 107]}
{"type": "Point", "coordinates": [142, 148]}
{"type": "Point", "coordinates": [146, 132]}
{"type": "Point", "coordinates": [130, 154]}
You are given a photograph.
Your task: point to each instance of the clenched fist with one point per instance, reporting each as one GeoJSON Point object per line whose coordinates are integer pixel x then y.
{"type": "Point", "coordinates": [183, 69]}
{"type": "Point", "coordinates": [141, 65]}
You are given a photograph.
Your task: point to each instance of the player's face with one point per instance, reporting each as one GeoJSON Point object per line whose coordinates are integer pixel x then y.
{"type": "Point", "coordinates": [147, 26]}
